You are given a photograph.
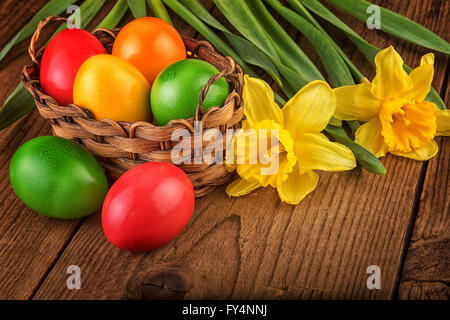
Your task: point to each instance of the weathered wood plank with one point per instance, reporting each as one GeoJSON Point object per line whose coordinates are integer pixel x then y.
{"type": "Point", "coordinates": [29, 243]}
{"type": "Point", "coordinates": [425, 273]}
{"type": "Point", "coordinates": [425, 13]}
{"type": "Point", "coordinates": [426, 269]}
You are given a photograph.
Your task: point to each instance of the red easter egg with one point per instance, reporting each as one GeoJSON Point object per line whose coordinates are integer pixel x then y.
{"type": "Point", "coordinates": [147, 206]}
{"type": "Point", "coordinates": [61, 60]}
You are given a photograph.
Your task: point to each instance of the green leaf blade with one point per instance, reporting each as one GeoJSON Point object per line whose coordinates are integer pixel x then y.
{"type": "Point", "coordinates": [396, 25]}
{"type": "Point", "coordinates": [53, 7]}
{"type": "Point", "coordinates": [332, 61]}
{"type": "Point", "coordinates": [288, 50]}
{"type": "Point", "coordinates": [88, 10]}
{"type": "Point", "coordinates": [18, 104]}
{"type": "Point", "coordinates": [244, 48]}
{"type": "Point", "coordinates": [240, 16]}
{"type": "Point", "coordinates": [116, 14]}
{"type": "Point", "coordinates": [203, 29]}
{"type": "Point", "coordinates": [302, 11]}
{"type": "Point", "coordinates": [138, 8]}
{"type": "Point", "coordinates": [159, 10]}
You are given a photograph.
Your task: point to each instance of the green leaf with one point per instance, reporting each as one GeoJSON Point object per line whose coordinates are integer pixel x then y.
{"type": "Point", "coordinates": [252, 55]}
{"type": "Point", "coordinates": [159, 10]}
{"type": "Point", "coordinates": [301, 10]}
{"type": "Point", "coordinates": [53, 7]}
{"type": "Point", "coordinates": [203, 29]}
{"type": "Point", "coordinates": [353, 69]}
{"type": "Point", "coordinates": [116, 14]}
{"type": "Point", "coordinates": [363, 156]}
{"type": "Point", "coordinates": [366, 48]}
{"type": "Point", "coordinates": [239, 14]}
{"type": "Point", "coordinates": [138, 8]}
{"type": "Point", "coordinates": [290, 53]}
{"type": "Point", "coordinates": [354, 125]}
{"type": "Point", "coordinates": [332, 61]}
{"type": "Point", "coordinates": [18, 104]}
{"type": "Point", "coordinates": [396, 24]}
{"type": "Point", "coordinates": [244, 48]}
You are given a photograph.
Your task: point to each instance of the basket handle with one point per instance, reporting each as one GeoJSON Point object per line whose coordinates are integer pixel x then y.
{"type": "Point", "coordinates": [211, 81]}
{"type": "Point", "coordinates": [37, 33]}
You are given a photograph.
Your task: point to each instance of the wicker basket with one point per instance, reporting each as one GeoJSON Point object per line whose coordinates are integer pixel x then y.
{"type": "Point", "coordinates": [120, 146]}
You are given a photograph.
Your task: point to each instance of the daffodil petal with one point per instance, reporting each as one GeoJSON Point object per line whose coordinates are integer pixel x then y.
{"type": "Point", "coordinates": [369, 137]}
{"type": "Point", "coordinates": [391, 80]}
{"type": "Point", "coordinates": [356, 103]}
{"type": "Point", "coordinates": [310, 109]}
{"type": "Point", "coordinates": [421, 77]}
{"type": "Point", "coordinates": [263, 154]}
{"type": "Point", "coordinates": [427, 59]}
{"type": "Point", "coordinates": [230, 166]}
{"type": "Point", "coordinates": [255, 172]}
{"type": "Point", "coordinates": [241, 187]}
{"type": "Point", "coordinates": [297, 186]}
{"type": "Point", "coordinates": [315, 152]}
{"type": "Point", "coordinates": [425, 153]}
{"type": "Point", "coordinates": [410, 127]}
{"type": "Point", "coordinates": [443, 122]}
{"type": "Point", "coordinates": [259, 102]}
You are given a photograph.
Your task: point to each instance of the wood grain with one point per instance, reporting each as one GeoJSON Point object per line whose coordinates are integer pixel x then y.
{"type": "Point", "coordinates": [426, 270]}
{"type": "Point", "coordinates": [29, 243]}
{"type": "Point", "coordinates": [253, 246]}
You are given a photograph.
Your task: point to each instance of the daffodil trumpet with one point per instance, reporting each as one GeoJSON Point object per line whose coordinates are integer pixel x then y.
{"type": "Point", "coordinates": [294, 141]}
{"type": "Point", "coordinates": [397, 117]}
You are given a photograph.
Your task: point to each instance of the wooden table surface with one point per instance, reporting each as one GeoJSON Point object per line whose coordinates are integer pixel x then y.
{"type": "Point", "coordinates": [253, 246]}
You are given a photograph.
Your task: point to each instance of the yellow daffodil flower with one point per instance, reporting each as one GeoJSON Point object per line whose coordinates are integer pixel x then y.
{"type": "Point", "coordinates": [299, 146]}
{"type": "Point", "coordinates": [398, 119]}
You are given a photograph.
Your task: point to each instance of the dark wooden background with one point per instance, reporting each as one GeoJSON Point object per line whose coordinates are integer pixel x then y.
{"type": "Point", "coordinates": [253, 246]}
